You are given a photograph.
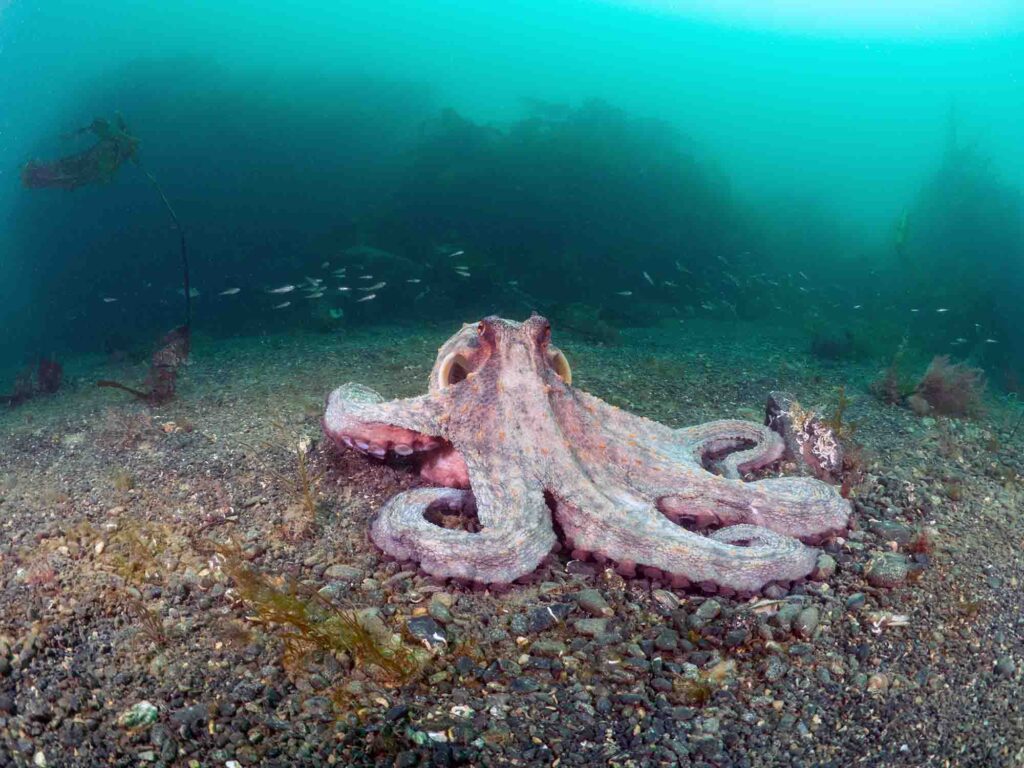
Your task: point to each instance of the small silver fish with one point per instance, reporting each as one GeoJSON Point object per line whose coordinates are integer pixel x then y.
{"type": "Point", "coordinates": [374, 287]}
{"type": "Point", "coordinates": [513, 283]}
{"type": "Point", "coordinates": [282, 305]}
{"type": "Point", "coordinates": [366, 277]}
{"type": "Point", "coordinates": [915, 310]}
{"type": "Point", "coordinates": [462, 274]}
{"type": "Point", "coordinates": [453, 254]}
{"type": "Point", "coordinates": [668, 284]}
{"type": "Point", "coordinates": [943, 309]}
{"type": "Point", "coordinates": [463, 267]}
{"type": "Point", "coordinates": [108, 300]}
{"type": "Point", "coordinates": [624, 293]}
{"type": "Point", "coordinates": [857, 306]}
{"type": "Point", "coordinates": [344, 288]}
{"type": "Point", "coordinates": [325, 264]}
{"type": "Point", "coordinates": [282, 289]}
{"type": "Point", "coordinates": [805, 277]}
{"type": "Point", "coordinates": [367, 298]}
{"type": "Point", "coordinates": [991, 341]}
{"type": "Point", "coordinates": [960, 340]}
{"type": "Point", "coordinates": [414, 280]}
{"type": "Point", "coordinates": [230, 292]}
{"type": "Point", "coordinates": [317, 295]}
{"type": "Point", "coordinates": [314, 280]}
{"type": "Point", "coordinates": [647, 278]}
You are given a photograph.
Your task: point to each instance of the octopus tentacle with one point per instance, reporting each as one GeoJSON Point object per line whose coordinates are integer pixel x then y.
{"type": "Point", "coordinates": [508, 545]}
{"type": "Point", "coordinates": [360, 418]}
{"type": "Point", "coordinates": [715, 437]}
{"type": "Point", "coordinates": [632, 532]}
{"type": "Point", "coordinates": [793, 506]}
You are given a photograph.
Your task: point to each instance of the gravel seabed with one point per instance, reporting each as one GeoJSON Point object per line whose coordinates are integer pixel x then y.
{"type": "Point", "coordinates": [920, 665]}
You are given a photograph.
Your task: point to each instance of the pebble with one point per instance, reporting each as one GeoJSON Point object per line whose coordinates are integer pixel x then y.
{"type": "Point", "coordinates": [856, 601]}
{"type": "Point", "coordinates": [1005, 666]}
{"type": "Point", "coordinates": [428, 631]}
{"type": "Point", "coordinates": [591, 601]}
{"type": "Point", "coordinates": [665, 600]}
{"type": "Point", "coordinates": [825, 568]}
{"type": "Point", "coordinates": [806, 622]}
{"type": "Point", "coordinates": [343, 572]}
{"type": "Point", "coordinates": [591, 627]}
{"type": "Point", "coordinates": [887, 570]}
{"type": "Point", "coordinates": [775, 668]}
{"type": "Point", "coordinates": [878, 683]}
{"type": "Point", "coordinates": [142, 713]}
{"type": "Point", "coordinates": [548, 649]}
{"type": "Point", "coordinates": [708, 611]}
{"type": "Point", "coordinates": [887, 530]}
{"type": "Point", "coordinates": [439, 610]}
{"type": "Point", "coordinates": [541, 618]}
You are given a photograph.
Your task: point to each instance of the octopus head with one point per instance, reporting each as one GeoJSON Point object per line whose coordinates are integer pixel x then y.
{"type": "Point", "coordinates": [495, 345]}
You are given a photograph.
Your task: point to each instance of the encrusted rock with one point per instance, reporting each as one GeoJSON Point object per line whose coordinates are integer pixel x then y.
{"type": "Point", "coordinates": [808, 439]}
{"type": "Point", "coordinates": [887, 570]}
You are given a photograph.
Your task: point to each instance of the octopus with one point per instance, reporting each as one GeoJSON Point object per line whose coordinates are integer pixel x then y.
{"type": "Point", "coordinates": [530, 465]}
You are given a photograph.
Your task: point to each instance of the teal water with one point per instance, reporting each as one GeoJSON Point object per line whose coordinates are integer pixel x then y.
{"type": "Point", "coordinates": [854, 172]}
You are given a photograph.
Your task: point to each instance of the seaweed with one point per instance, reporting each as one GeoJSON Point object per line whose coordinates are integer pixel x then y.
{"type": "Point", "coordinates": [315, 623]}
{"type": "Point", "coordinates": [891, 388]}
{"type": "Point", "coordinates": [952, 389]}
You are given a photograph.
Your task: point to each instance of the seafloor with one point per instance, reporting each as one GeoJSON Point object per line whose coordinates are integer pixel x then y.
{"type": "Point", "coordinates": [110, 595]}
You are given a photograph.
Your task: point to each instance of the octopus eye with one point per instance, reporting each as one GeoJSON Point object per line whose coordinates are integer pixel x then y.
{"type": "Point", "coordinates": [559, 365]}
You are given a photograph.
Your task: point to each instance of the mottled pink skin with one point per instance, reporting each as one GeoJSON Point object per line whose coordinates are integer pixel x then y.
{"type": "Point", "coordinates": [503, 428]}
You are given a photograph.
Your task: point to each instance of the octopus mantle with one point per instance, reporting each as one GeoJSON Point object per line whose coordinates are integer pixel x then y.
{"type": "Point", "coordinates": [503, 434]}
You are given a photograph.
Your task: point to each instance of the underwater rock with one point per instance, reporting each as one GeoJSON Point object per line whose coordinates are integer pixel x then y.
{"type": "Point", "coordinates": [808, 439]}
{"type": "Point", "coordinates": [887, 570]}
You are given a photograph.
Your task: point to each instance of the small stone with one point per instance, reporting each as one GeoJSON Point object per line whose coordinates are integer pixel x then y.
{"type": "Point", "coordinates": [825, 568]}
{"type": "Point", "coordinates": [343, 572]}
{"type": "Point", "coordinates": [428, 631]}
{"type": "Point", "coordinates": [878, 683]}
{"type": "Point", "coordinates": [806, 622]}
{"type": "Point", "coordinates": [667, 640]}
{"type": "Point", "coordinates": [708, 611]}
{"type": "Point", "coordinates": [855, 601]}
{"type": "Point", "coordinates": [142, 713]}
{"type": "Point", "coordinates": [439, 610]}
{"type": "Point", "coordinates": [591, 601]}
{"type": "Point", "coordinates": [547, 616]}
{"type": "Point", "coordinates": [39, 759]}
{"type": "Point", "coordinates": [665, 600]}
{"type": "Point", "coordinates": [591, 627]}
{"type": "Point", "coordinates": [887, 570]}
{"type": "Point", "coordinates": [1005, 666]}
{"type": "Point", "coordinates": [548, 649]}
{"type": "Point", "coordinates": [889, 530]}
{"type": "Point", "coordinates": [786, 615]}
{"type": "Point", "coordinates": [775, 668]}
